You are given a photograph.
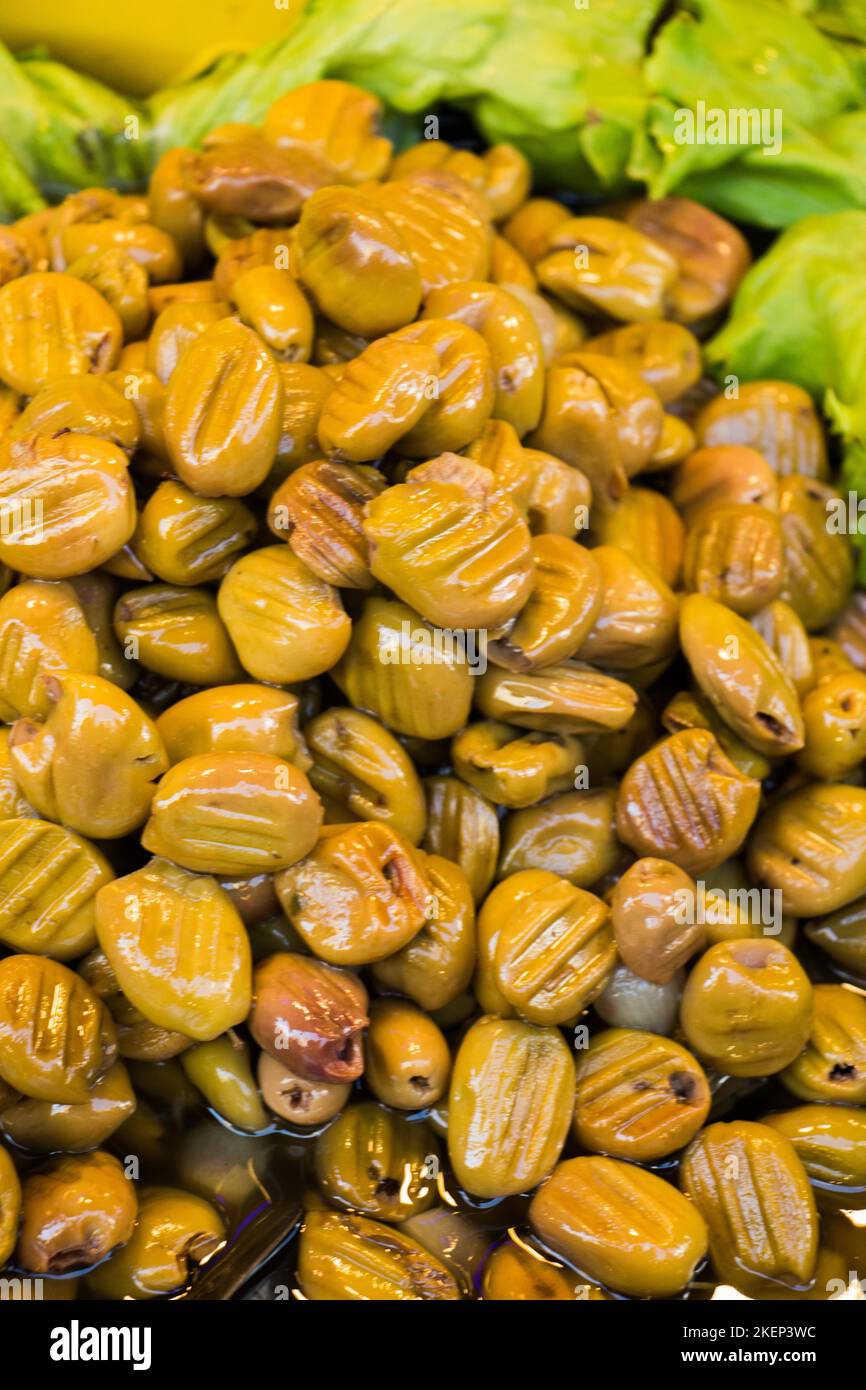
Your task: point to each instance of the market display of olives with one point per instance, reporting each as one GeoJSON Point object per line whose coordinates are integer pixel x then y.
{"type": "Point", "coordinates": [434, 741]}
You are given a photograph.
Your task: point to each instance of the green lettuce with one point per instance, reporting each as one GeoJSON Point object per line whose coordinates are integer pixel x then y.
{"type": "Point", "coordinates": [591, 90]}
{"type": "Point", "coordinates": [800, 315]}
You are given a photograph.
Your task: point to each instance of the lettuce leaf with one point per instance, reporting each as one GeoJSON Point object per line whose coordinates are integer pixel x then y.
{"type": "Point", "coordinates": [800, 315]}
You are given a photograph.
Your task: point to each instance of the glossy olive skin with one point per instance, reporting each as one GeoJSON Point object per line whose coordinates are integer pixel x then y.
{"type": "Point", "coordinates": [10, 1205]}
{"type": "Point", "coordinates": [374, 1161]}
{"type": "Point", "coordinates": [428, 697]}
{"type": "Point", "coordinates": [629, 1001]}
{"type": "Point", "coordinates": [830, 1141]}
{"type": "Point", "coordinates": [187, 539]}
{"type": "Point", "coordinates": [685, 801]}
{"type": "Point", "coordinates": [46, 1127]}
{"type": "Point", "coordinates": [92, 764]}
{"type": "Point", "coordinates": [48, 882]}
{"type": "Point", "coordinates": [85, 404]}
{"type": "Point", "coordinates": [286, 624]}
{"type": "Point", "coordinates": [832, 1065]}
{"type": "Point", "coordinates": [645, 526]}
{"type": "Point", "coordinates": [504, 1069]}
{"type": "Point", "coordinates": [319, 510]}
{"type": "Point", "coordinates": [478, 574]}
{"type": "Point", "coordinates": [235, 719]}
{"type": "Point", "coordinates": [177, 632]}
{"type": "Point", "coordinates": [773, 1236]}
{"type": "Point", "coordinates": [223, 412]}
{"type": "Point", "coordinates": [296, 1099]}
{"type": "Point", "coordinates": [568, 698]}
{"type": "Point", "coordinates": [723, 475]}
{"type": "Point", "coordinates": [755, 979]}
{"type": "Point", "coordinates": [355, 265]}
{"type": "Point", "coordinates": [61, 1058]}
{"type": "Point", "coordinates": [810, 845]}
{"type": "Point", "coordinates": [221, 1070]}
{"type": "Point", "coordinates": [573, 835]}
{"type": "Point", "coordinates": [515, 1273]}
{"type": "Point", "coordinates": [195, 810]}
{"type": "Point", "coordinates": [361, 894]}
{"type": "Point", "coordinates": [436, 966]}
{"type": "Point", "coordinates": [87, 505]}
{"type": "Point", "coordinates": [639, 1096]}
{"type": "Point", "coordinates": [46, 298]}
{"type": "Point", "coordinates": [621, 1225]}
{"type": "Point", "coordinates": [361, 768]}
{"type": "Point", "coordinates": [655, 932]}
{"type": "Point", "coordinates": [309, 1016]}
{"type": "Point", "coordinates": [842, 936]}
{"type": "Point", "coordinates": [343, 1257]}
{"type": "Point", "coordinates": [515, 768]}
{"type": "Point", "coordinates": [635, 627]}
{"type": "Point", "coordinates": [406, 1058]}
{"type": "Point", "coordinates": [776, 418]}
{"type": "Point", "coordinates": [155, 926]}
{"type": "Point", "coordinates": [175, 1232]}
{"type": "Point", "coordinates": [741, 676]}
{"type": "Point", "coordinates": [43, 626]}
{"type": "Point", "coordinates": [554, 952]}
{"type": "Point", "coordinates": [462, 826]}
{"type": "Point", "coordinates": [75, 1213]}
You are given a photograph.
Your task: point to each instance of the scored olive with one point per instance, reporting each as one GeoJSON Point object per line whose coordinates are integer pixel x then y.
{"type": "Point", "coordinates": [436, 966]}
{"type": "Point", "coordinates": [775, 418]}
{"type": "Point", "coordinates": [509, 1107]}
{"type": "Point", "coordinates": [639, 1096]}
{"type": "Point", "coordinates": [49, 878]}
{"type": "Point", "coordinates": [623, 1226]}
{"type": "Point", "coordinates": [44, 1126]}
{"type": "Point", "coordinates": [195, 812]}
{"type": "Point", "coordinates": [770, 1235]}
{"type": "Point", "coordinates": [362, 769]}
{"type": "Point", "coordinates": [157, 926]}
{"type": "Point", "coordinates": [346, 1257]}
{"type": "Point", "coordinates": [376, 1162]}
{"type": "Point", "coordinates": [462, 826]}
{"type": "Point", "coordinates": [285, 622]}
{"type": "Point", "coordinates": [830, 1141]}
{"type": "Point", "coordinates": [361, 894]}
{"type": "Point", "coordinates": [554, 952]}
{"type": "Point", "coordinates": [811, 846]}
{"type": "Point", "coordinates": [57, 1039]}
{"type": "Point", "coordinates": [685, 801]}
